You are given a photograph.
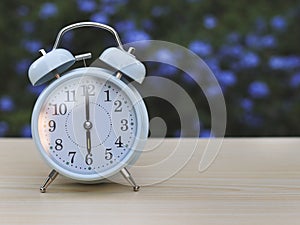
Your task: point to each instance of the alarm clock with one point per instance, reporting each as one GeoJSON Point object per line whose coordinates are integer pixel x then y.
{"type": "Point", "coordinates": [89, 123]}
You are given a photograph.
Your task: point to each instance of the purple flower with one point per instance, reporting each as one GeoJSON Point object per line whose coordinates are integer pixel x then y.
{"type": "Point", "coordinates": [295, 80]}
{"type": "Point", "coordinates": [6, 104]}
{"type": "Point", "coordinates": [22, 66]}
{"type": "Point", "coordinates": [268, 41]}
{"type": "Point", "coordinates": [231, 51]}
{"type": "Point", "coordinates": [250, 60]}
{"type": "Point", "coordinates": [201, 48]}
{"type": "Point", "coordinates": [284, 62]}
{"type": "Point", "coordinates": [48, 10]}
{"type": "Point", "coordinates": [166, 70]}
{"type": "Point", "coordinates": [26, 131]}
{"type": "Point", "coordinates": [68, 36]}
{"type": "Point", "coordinates": [165, 56]}
{"type": "Point", "coordinates": [136, 35]}
{"type": "Point", "coordinates": [258, 89]}
{"type": "Point", "coordinates": [32, 46]}
{"type": "Point", "coordinates": [36, 90]}
{"type": "Point", "coordinates": [86, 5]}
{"type": "Point", "coordinates": [278, 23]}
{"type": "Point", "coordinates": [188, 78]}
{"type": "Point", "coordinates": [227, 78]}
{"type": "Point", "coordinates": [206, 133]}
{"type": "Point", "coordinates": [213, 64]}
{"type": "Point", "coordinates": [125, 26]}
{"type": "Point", "coordinates": [246, 104]}
{"type": "Point", "coordinates": [177, 133]}
{"type": "Point", "coordinates": [252, 41]}
{"type": "Point", "coordinates": [277, 62]}
{"type": "Point", "coordinates": [109, 9]}
{"type": "Point", "coordinates": [210, 22]}
{"type": "Point", "coordinates": [3, 128]}
{"type": "Point", "coordinates": [99, 17]}
{"type": "Point", "coordinates": [213, 91]}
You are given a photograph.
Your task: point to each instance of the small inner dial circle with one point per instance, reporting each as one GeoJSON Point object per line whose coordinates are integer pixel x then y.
{"type": "Point", "coordinates": [100, 125]}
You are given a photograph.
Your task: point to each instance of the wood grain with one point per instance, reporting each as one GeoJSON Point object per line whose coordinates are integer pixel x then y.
{"type": "Point", "coordinates": [252, 181]}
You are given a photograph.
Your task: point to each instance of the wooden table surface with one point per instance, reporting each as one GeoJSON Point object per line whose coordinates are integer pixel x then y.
{"type": "Point", "coordinates": [252, 181]}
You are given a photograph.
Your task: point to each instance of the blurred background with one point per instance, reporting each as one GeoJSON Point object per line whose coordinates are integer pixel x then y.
{"type": "Point", "coordinates": [252, 47]}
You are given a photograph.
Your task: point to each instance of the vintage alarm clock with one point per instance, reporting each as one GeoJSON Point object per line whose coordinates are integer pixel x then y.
{"type": "Point", "coordinates": [88, 124]}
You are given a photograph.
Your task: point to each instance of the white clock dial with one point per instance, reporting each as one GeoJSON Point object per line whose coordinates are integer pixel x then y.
{"type": "Point", "coordinates": [87, 125]}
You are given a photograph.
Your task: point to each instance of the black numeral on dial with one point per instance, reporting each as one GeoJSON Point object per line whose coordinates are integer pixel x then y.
{"type": "Point", "coordinates": [88, 90]}
{"type": "Point", "coordinates": [70, 96]}
{"type": "Point", "coordinates": [124, 123]}
{"type": "Point", "coordinates": [60, 109]}
{"type": "Point", "coordinates": [58, 144]}
{"type": "Point", "coordinates": [89, 159]}
{"type": "Point", "coordinates": [72, 154]}
{"type": "Point", "coordinates": [118, 105]}
{"type": "Point", "coordinates": [119, 142]}
{"type": "Point", "coordinates": [52, 125]}
{"type": "Point", "coordinates": [107, 96]}
{"type": "Point", "coordinates": [108, 154]}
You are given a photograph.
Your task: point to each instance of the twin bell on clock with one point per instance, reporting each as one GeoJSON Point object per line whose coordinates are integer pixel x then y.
{"type": "Point", "coordinates": [88, 124]}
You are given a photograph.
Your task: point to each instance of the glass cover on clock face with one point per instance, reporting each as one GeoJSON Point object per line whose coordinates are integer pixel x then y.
{"type": "Point", "coordinates": [87, 125]}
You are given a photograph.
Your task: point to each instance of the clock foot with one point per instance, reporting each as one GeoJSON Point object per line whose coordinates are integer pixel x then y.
{"type": "Point", "coordinates": [51, 177]}
{"type": "Point", "coordinates": [130, 179]}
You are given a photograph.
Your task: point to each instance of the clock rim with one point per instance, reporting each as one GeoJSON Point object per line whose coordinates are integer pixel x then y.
{"type": "Point", "coordinates": [141, 115]}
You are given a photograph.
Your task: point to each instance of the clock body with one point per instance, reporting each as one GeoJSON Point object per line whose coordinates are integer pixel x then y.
{"type": "Point", "coordinates": [88, 124]}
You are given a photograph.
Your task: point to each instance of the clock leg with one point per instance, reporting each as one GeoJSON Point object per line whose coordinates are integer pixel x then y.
{"type": "Point", "coordinates": [51, 177]}
{"type": "Point", "coordinates": [130, 179]}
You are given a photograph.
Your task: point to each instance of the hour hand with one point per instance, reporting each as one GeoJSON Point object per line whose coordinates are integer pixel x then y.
{"type": "Point", "coordinates": [88, 141]}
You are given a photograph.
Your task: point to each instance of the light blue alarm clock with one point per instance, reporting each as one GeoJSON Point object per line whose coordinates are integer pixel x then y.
{"type": "Point", "coordinates": [88, 124]}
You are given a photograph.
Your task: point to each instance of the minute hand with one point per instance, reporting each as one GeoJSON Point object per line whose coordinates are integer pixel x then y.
{"type": "Point", "coordinates": [87, 107]}
{"type": "Point", "coordinates": [87, 124]}
{"type": "Point", "coordinates": [88, 141]}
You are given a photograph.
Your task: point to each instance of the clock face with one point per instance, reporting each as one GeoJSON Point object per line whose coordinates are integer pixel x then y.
{"type": "Point", "coordinates": [87, 125]}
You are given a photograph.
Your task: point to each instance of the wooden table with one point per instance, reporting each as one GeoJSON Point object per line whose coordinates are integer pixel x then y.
{"type": "Point", "coordinates": [252, 181]}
